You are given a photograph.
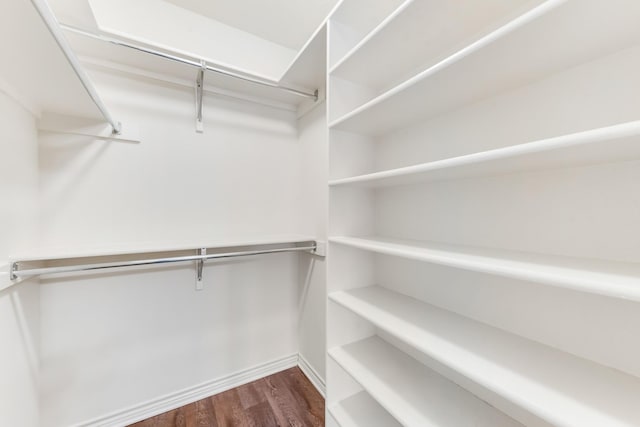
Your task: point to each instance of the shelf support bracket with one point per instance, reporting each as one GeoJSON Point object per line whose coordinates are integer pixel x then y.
{"type": "Point", "coordinates": [199, 268]}
{"type": "Point", "coordinates": [199, 93]}
{"type": "Point", "coordinates": [12, 271]}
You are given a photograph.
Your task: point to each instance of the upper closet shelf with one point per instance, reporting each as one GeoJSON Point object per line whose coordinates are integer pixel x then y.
{"type": "Point", "coordinates": [549, 38]}
{"type": "Point", "coordinates": [152, 63]}
{"type": "Point", "coordinates": [608, 278]}
{"type": "Point", "coordinates": [42, 72]}
{"type": "Point", "coordinates": [352, 20]}
{"type": "Point", "coordinates": [307, 70]}
{"type": "Point", "coordinates": [603, 145]}
{"type": "Point", "coordinates": [519, 376]}
{"type": "Point", "coordinates": [427, 31]}
{"type": "Point", "coordinates": [157, 247]}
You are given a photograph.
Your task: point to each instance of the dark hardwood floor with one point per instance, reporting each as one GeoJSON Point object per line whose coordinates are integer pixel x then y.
{"type": "Point", "coordinates": [284, 399]}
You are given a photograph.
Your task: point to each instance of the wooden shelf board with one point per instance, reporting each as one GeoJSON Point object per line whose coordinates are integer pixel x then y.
{"type": "Point", "coordinates": [550, 38]}
{"type": "Point", "coordinates": [608, 278]}
{"type": "Point", "coordinates": [555, 386]}
{"type": "Point", "coordinates": [603, 145]}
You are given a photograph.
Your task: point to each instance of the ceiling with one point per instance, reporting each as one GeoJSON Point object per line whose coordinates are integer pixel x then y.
{"type": "Point", "coordinates": [289, 23]}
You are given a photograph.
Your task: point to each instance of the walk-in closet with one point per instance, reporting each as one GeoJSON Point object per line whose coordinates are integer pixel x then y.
{"type": "Point", "coordinates": [340, 213]}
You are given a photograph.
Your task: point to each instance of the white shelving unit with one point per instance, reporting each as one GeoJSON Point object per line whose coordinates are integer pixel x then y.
{"type": "Point", "coordinates": [481, 197]}
{"type": "Point", "coordinates": [411, 392]}
{"type": "Point", "coordinates": [557, 35]}
{"type": "Point", "coordinates": [558, 388]}
{"type": "Point", "coordinates": [400, 28]}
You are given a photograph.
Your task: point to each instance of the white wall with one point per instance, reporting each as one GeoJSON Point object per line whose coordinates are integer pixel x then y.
{"type": "Point", "coordinates": [19, 321]}
{"type": "Point", "coordinates": [313, 198]}
{"type": "Point", "coordinates": [115, 340]}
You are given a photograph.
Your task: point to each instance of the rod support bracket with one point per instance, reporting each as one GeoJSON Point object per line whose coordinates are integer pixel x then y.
{"type": "Point", "coordinates": [12, 271]}
{"type": "Point", "coordinates": [200, 267]}
{"type": "Point", "coordinates": [315, 94]}
{"type": "Point", "coordinates": [199, 96]}
{"type": "Point", "coordinates": [117, 129]}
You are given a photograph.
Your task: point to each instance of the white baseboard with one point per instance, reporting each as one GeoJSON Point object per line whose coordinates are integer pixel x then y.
{"type": "Point", "coordinates": [312, 374]}
{"type": "Point", "coordinates": [183, 397]}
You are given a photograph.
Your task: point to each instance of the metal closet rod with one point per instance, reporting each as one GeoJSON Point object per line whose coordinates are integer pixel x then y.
{"type": "Point", "coordinates": [16, 273]}
{"type": "Point", "coordinates": [183, 60]}
{"type": "Point", "coordinates": [50, 21]}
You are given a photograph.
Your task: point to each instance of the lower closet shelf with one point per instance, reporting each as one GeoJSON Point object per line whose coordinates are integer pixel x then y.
{"type": "Point", "coordinates": [608, 278]}
{"type": "Point", "coordinates": [361, 410]}
{"type": "Point", "coordinates": [414, 394]}
{"type": "Point", "coordinates": [556, 387]}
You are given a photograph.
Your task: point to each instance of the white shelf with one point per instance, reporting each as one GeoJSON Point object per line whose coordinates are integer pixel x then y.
{"type": "Point", "coordinates": [414, 394]}
{"type": "Point", "coordinates": [427, 32]}
{"type": "Point", "coordinates": [361, 410]}
{"type": "Point", "coordinates": [603, 145]}
{"type": "Point", "coordinates": [561, 389]}
{"type": "Point", "coordinates": [366, 40]}
{"type": "Point", "coordinates": [548, 39]}
{"type": "Point", "coordinates": [353, 20]}
{"type": "Point", "coordinates": [608, 278]}
{"type": "Point", "coordinates": [307, 71]}
{"type": "Point", "coordinates": [52, 253]}
{"type": "Point", "coordinates": [35, 71]}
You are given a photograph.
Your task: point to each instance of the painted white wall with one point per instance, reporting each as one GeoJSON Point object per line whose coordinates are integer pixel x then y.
{"type": "Point", "coordinates": [19, 317]}
{"type": "Point", "coordinates": [115, 340]}
{"type": "Point", "coordinates": [237, 179]}
{"type": "Point", "coordinates": [313, 198]}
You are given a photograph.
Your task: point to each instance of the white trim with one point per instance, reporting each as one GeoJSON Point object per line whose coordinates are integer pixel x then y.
{"type": "Point", "coordinates": [312, 374]}
{"type": "Point", "coordinates": [188, 395]}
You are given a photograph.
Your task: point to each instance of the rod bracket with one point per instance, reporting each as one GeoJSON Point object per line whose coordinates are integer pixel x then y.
{"type": "Point", "coordinates": [200, 267]}
{"type": "Point", "coordinates": [12, 271]}
{"type": "Point", "coordinates": [117, 129]}
{"type": "Point", "coordinates": [199, 95]}
{"type": "Point", "coordinates": [315, 94]}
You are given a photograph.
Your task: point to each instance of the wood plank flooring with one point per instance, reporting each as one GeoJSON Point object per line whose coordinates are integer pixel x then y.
{"type": "Point", "coordinates": [285, 399]}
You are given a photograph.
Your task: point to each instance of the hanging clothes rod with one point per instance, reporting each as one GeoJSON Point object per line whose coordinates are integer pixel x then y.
{"type": "Point", "coordinates": [52, 24]}
{"type": "Point", "coordinates": [16, 273]}
{"type": "Point", "coordinates": [194, 63]}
